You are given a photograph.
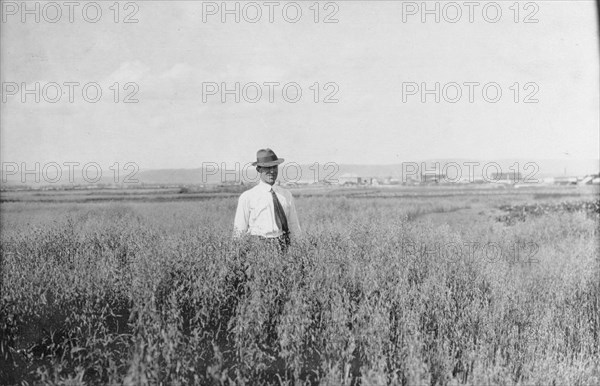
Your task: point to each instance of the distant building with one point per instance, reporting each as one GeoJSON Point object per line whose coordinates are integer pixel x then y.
{"type": "Point", "coordinates": [590, 179]}
{"type": "Point", "coordinates": [432, 177]}
{"type": "Point", "coordinates": [369, 181]}
{"type": "Point", "coordinates": [512, 177]}
{"type": "Point", "coordinates": [349, 179]}
{"type": "Point", "coordinates": [565, 180]}
{"type": "Point", "coordinates": [410, 181]}
{"type": "Point", "coordinates": [548, 180]}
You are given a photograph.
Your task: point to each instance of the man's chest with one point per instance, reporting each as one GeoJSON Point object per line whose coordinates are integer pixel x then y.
{"type": "Point", "coordinates": [265, 201]}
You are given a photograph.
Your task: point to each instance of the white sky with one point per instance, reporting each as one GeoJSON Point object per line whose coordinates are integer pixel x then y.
{"type": "Point", "coordinates": [369, 53]}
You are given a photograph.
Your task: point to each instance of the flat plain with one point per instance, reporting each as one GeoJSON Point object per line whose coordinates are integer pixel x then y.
{"type": "Point", "coordinates": [394, 285]}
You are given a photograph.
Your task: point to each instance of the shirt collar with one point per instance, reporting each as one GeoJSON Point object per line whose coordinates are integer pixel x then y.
{"type": "Point", "coordinates": [264, 186]}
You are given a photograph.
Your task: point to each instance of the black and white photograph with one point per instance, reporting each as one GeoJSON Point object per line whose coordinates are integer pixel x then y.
{"type": "Point", "coordinates": [308, 192]}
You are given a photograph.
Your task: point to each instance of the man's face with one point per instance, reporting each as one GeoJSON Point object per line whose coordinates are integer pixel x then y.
{"type": "Point", "coordinates": [268, 174]}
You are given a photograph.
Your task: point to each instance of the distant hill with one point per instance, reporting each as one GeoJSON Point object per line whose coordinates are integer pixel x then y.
{"type": "Point", "coordinates": [309, 173]}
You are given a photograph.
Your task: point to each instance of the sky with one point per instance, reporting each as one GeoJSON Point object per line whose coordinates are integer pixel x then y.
{"type": "Point", "coordinates": [372, 64]}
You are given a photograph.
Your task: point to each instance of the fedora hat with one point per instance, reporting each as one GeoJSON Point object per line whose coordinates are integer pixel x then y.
{"type": "Point", "coordinates": [266, 157]}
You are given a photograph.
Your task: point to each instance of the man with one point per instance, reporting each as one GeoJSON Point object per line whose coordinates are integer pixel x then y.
{"type": "Point", "coordinates": [267, 211]}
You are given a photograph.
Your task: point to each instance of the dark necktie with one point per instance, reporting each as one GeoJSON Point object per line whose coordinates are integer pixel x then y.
{"type": "Point", "coordinates": [280, 218]}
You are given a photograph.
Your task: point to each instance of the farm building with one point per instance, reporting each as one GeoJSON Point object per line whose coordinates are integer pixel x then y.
{"type": "Point", "coordinates": [349, 179]}
{"type": "Point", "coordinates": [390, 181]}
{"type": "Point", "coordinates": [565, 180]}
{"type": "Point", "coordinates": [590, 179]}
{"type": "Point", "coordinates": [432, 177]}
{"type": "Point", "coordinates": [507, 177]}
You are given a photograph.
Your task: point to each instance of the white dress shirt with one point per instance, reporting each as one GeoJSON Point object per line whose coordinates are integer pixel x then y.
{"type": "Point", "coordinates": [255, 213]}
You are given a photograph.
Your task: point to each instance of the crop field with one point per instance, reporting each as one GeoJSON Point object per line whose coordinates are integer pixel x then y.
{"type": "Point", "coordinates": [420, 286]}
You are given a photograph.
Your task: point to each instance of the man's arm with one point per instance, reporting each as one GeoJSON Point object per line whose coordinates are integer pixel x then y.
{"type": "Point", "coordinates": [242, 216]}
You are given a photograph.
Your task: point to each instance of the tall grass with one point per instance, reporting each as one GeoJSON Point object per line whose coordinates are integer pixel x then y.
{"type": "Point", "coordinates": [160, 294]}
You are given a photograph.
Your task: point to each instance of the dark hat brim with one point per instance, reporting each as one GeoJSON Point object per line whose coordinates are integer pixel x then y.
{"type": "Point", "coordinates": [270, 163]}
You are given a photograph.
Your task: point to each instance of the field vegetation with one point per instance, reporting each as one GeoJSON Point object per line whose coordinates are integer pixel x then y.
{"type": "Point", "coordinates": [375, 292]}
